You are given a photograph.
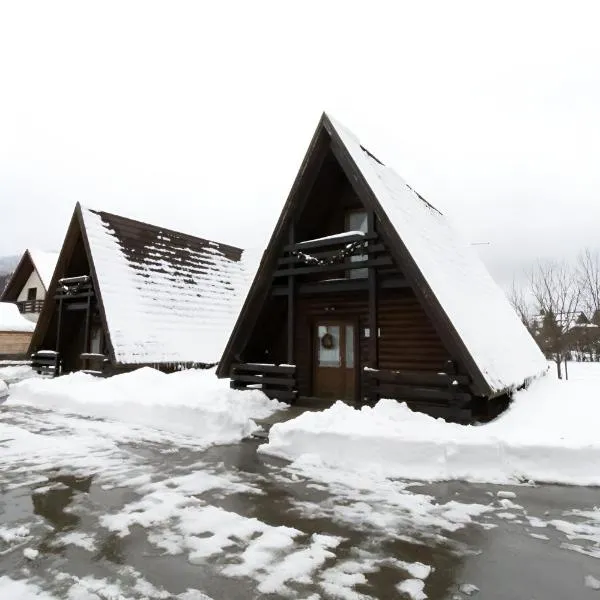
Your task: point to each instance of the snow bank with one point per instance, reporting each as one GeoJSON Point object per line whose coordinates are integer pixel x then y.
{"type": "Point", "coordinates": [16, 373]}
{"type": "Point", "coordinates": [3, 390]}
{"type": "Point", "coordinates": [12, 320]}
{"type": "Point", "coordinates": [549, 434]}
{"type": "Point", "coordinates": [192, 402]}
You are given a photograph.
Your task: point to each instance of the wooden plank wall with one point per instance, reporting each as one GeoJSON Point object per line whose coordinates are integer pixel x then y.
{"type": "Point", "coordinates": [407, 340]}
{"type": "Point", "coordinates": [12, 342]}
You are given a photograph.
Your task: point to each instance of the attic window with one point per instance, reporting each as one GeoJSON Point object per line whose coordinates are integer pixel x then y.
{"type": "Point", "coordinates": [356, 220]}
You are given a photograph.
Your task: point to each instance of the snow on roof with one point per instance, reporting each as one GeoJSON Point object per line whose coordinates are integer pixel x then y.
{"type": "Point", "coordinates": [168, 297]}
{"type": "Point", "coordinates": [45, 263]}
{"type": "Point", "coordinates": [12, 320]}
{"type": "Point", "coordinates": [501, 347]}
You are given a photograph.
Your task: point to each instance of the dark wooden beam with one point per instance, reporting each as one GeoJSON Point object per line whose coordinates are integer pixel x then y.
{"type": "Point", "coordinates": [66, 296]}
{"type": "Point", "coordinates": [262, 368]}
{"type": "Point", "coordinates": [407, 392]}
{"type": "Point", "coordinates": [291, 304]}
{"type": "Point", "coordinates": [369, 249]}
{"type": "Point", "coordinates": [75, 306]}
{"type": "Point", "coordinates": [58, 324]}
{"type": "Point", "coordinates": [88, 316]}
{"type": "Point", "coordinates": [341, 285]}
{"type": "Point", "coordinates": [346, 266]}
{"type": "Point", "coordinates": [283, 381]}
{"type": "Point", "coordinates": [374, 337]}
{"type": "Point", "coordinates": [419, 378]}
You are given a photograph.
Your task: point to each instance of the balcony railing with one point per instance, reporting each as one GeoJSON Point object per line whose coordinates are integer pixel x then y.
{"type": "Point", "coordinates": [30, 306]}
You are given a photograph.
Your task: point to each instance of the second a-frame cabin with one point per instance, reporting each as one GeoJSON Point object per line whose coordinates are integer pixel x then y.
{"type": "Point", "coordinates": [28, 284]}
{"type": "Point", "coordinates": [127, 294]}
{"type": "Point", "coordinates": [366, 292]}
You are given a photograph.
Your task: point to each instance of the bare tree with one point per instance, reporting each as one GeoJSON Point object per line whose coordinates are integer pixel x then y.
{"type": "Point", "coordinates": [588, 275]}
{"type": "Point", "coordinates": [555, 288]}
{"type": "Point", "coordinates": [517, 299]}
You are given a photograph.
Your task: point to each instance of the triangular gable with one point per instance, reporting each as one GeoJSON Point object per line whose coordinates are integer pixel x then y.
{"type": "Point", "coordinates": [451, 282]}
{"type": "Point", "coordinates": [75, 232]}
{"type": "Point", "coordinates": [18, 278]}
{"type": "Point", "coordinates": [42, 262]}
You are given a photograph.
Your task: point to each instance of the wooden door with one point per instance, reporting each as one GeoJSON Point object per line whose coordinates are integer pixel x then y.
{"type": "Point", "coordinates": [334, 359]}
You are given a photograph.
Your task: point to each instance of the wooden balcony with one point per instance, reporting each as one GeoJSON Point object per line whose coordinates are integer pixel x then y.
{"type": "Point", "coordinates": [30, 306]}
{"type": "Point", "coordinates": [275, 381]}
{"type": "Point", "coordinates": [75, 288]}
{"type": "Point", "coordinates": [333, 254]}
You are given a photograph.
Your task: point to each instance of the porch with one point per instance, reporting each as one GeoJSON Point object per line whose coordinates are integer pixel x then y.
{"type": "Point", "coordinates": [78, 338]}
{"type": "Point", "coordinates": [443, 394]}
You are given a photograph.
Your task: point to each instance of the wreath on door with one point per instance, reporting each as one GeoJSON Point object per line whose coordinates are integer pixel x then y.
{"type": "Point", "coordinates": [327, 341]}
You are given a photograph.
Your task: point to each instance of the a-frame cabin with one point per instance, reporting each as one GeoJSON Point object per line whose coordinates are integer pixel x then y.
{"type": "Point", "coordinates": [366, 292]}
{"type": "Point", "coordinates": [127, 294]}
{"type": "Point", "coordinates": [28, 284]}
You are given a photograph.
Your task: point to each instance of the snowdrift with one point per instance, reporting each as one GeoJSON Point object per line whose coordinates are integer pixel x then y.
{"type": "Point", "coordinates": [549, 434]}
{"type": "Point", "coordinates": [12, 320]}
{"type": "Point", "coordinates": [191, 402]}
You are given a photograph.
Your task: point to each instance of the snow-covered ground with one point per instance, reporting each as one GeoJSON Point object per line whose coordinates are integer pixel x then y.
{"type": "Point", "coordinates": [191, 402]}
{"type": "Point", "coordinates": [139, 487]}
{"type": "Point", "coordinates": [15, 372]}
{"type": "Point", "coordinates": [549, 434]}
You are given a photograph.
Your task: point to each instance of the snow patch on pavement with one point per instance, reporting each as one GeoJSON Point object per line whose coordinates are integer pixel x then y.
{"type": "Point", "coordinates": [412, 588]}
{"type": "Point", "coordinates": [21, 590]}
{"type": "Point", "coordinates": [394, 441]}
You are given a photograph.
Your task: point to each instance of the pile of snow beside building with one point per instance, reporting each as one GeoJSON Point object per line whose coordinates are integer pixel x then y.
{"type": "Point", "coordinates": [12, 320]}
{"type": "Point", "coordinates": [549, 434]}
{"type": "Point", "coordinates": [192, 402]}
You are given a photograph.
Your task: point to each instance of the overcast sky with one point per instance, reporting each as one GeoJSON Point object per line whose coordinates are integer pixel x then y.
{"type": "Point", "coordinates": [196, 115]}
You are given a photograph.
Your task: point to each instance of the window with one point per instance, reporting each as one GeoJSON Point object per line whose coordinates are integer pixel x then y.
{"type": "Point", "coordinates": [356, 220]}
{"type": "Point", "coordinates": [329, 356]}
{"type": "Point", "coordinates": [31, 293]}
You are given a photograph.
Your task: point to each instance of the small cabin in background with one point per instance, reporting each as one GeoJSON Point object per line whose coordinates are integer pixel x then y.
{"type": "Point", "coordinates": [366, 292]}
{"type": "Point", "coordinates": [15, 332]}
{"type": "Point", "coordinates": [28, 284]}
{"type": "Point", "coordinates": [127, 294]}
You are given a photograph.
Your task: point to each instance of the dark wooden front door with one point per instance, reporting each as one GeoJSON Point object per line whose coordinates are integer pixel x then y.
{"type": "Point", "coordinates": [334, 359]}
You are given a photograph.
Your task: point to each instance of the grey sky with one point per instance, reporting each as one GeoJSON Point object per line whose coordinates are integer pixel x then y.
{"type": "Point", "coordinates": [196, 115]}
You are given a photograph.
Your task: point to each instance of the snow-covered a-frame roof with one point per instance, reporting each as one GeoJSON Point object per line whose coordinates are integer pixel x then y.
{"type": "Point", "coordinates": [448, 277]}
{"type": "Point", "coordinates": [165, 297]}
{"type": "Point", "coordinates": [501, 347]}
{"type": "Point", "coordinates": [44, 263]}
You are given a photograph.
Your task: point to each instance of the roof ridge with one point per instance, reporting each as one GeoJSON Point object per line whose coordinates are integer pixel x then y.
{"type": "Point", "coordinates": [161, 228]}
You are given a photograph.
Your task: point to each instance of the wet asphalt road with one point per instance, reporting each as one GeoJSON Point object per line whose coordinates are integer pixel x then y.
{"type": "Point", "coordinates": [495, 553]}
